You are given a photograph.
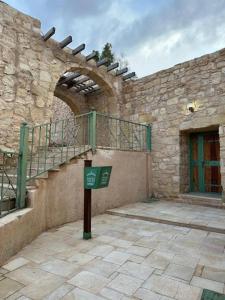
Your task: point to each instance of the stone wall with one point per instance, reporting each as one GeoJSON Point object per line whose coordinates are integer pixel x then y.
{"type": "Point", "coordinates": [162, 100]}
{"type": "Point", "coordinates": [29, 71]}
{"type": "Point", "coordinates": [60, 110]}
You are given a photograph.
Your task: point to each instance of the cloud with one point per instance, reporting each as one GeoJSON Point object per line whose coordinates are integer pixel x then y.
{"type": "Point", "coordinates": [152, 34]}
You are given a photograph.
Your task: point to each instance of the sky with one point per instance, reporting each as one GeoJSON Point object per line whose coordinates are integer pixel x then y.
{"type": "Point", "coordinates": [150, 34]}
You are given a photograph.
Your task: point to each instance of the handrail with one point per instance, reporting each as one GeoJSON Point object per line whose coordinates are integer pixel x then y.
{"type": "Point", "coordinates": [46, 146]}
{"type": "Point", "coordinates": [126, 121]}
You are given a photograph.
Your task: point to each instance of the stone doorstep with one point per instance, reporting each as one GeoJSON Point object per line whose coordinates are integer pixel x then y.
{"type": "Point", "coordinates": [168, 222]}
{"type": "Point", "coordinates": [202, 200]}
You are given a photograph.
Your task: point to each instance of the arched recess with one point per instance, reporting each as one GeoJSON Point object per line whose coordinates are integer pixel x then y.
{"type": "Point", "coordinates": [106, 100]}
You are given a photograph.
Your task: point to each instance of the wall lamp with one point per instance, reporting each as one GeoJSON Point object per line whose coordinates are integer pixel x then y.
{"type": "Point", "coordinates": [191, 107]}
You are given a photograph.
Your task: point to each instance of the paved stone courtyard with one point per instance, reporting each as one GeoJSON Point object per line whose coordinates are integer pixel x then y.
{"type": "Point", "coordinates": [126, 259]}
{"type": "Point", "coordinates": [182, 214]}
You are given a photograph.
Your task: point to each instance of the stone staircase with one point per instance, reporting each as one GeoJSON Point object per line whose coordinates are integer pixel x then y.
{"type": "Point", "coordinates": [38, 167]}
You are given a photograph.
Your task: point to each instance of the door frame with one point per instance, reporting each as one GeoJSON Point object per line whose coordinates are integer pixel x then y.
{"type": "Point", "coordinates": [200, 163]}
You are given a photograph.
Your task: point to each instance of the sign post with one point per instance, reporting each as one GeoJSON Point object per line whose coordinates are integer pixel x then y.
{"type": "Point", "coordinates": [94, 178]}
{"type": "Point", "coordinates": [87, 208]}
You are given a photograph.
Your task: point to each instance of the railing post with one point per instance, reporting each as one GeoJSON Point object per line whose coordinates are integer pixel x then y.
{"type": "Point", "coordinates": [92, 130]}
{"type": "Point", "coordinates": [149, 137]}
{"type": "Point", "coordinates": [22, 166]}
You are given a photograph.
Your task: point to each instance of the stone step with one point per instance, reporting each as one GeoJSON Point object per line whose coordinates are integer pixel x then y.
{"type": "Point", "coordinates": [201, 199]}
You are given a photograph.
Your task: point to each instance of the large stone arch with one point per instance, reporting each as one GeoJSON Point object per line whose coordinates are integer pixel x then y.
{"type": "Point", "coordinates": [29, 71]}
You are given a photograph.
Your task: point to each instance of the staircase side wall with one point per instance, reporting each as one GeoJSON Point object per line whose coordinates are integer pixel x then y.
{"type": "Point", "coordinates": [59, 198]}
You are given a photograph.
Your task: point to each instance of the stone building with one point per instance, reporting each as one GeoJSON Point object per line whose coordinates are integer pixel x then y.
{"type": "Point", "coordinates": [184, 104]}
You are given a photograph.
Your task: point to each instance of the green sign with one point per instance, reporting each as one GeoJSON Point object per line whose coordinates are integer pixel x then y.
{"type": "Point", "coordinates": [96, 177]}
{"type": "Point", "coordinates": [211, 295]}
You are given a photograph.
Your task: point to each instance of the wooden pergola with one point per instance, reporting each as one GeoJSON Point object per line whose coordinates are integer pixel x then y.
{"type": "Point", "coordinates": [82, 83]}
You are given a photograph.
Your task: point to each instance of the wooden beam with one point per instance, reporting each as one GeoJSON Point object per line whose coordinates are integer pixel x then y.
{"type": "Point", "coordinates": [112, 67]}
{"type": "Point", "coordinates": [68, 78]}
{"type": "Point", "coordinates": [121, 71]}
{"type": "Point", "coordinates": [91, 56]}
{"type": "Point", "coordinates": [49, 34]}
{"type": "Point", "coordinates": [94, 90]}
{"type": "Point", "coordinates": [78, 49]}
{"type": "Point", "coordinates": [128, 76]}
{"type": "Point", "coordinates": [82, 80]}
{"type": "Point", "coordinates": [66, 42]}
{"type": "Point", "coordinates": [102, 62]}
{"type": "Point", "coordinates": [77, 83]}
{"type": "Point", "coordinates": [86, 86]}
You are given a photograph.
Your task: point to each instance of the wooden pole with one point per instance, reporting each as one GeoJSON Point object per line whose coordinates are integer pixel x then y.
{"type": "Point", "coordinates": [87, 208]}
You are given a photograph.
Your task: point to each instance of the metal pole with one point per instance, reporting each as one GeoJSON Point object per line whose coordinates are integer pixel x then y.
{"type": "Point", "coordinates": [22, 166]}
{"type": "Point", "coordinates": [87, 208]}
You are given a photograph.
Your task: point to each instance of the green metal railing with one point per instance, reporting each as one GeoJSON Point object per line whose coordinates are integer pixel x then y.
{"type": "Point", "coordinates": [46, 146]}
{"type": "Point", "coordinates": [114, 133]}
{"type": "Point", "coordinates": [8, 177]}
{"type": "Point", "coordinates": [52, 144]}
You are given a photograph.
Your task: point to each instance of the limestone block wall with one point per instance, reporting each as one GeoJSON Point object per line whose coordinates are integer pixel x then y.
{"type": "Point", "coordinates": [162, 100]}
{"type": "Point", "coordinates": [29, 71]}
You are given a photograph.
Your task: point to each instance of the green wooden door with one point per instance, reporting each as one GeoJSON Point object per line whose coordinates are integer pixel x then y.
{"type": "Point", "coordinates": [205, 163]}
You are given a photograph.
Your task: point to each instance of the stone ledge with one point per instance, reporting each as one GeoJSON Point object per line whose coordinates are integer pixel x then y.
{"type": "Point", "coordinates": [168, 222]}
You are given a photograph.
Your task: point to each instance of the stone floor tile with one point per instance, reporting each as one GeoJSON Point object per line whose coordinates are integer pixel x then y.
{"type": "Point", "coordinates": [101, 267]}
{"type": "Point", "coordinates": [60, 292]}
{"type": "Point", "coordinates": [117, 257]}
{"type": "Point", "coordinates": [111, 294]}
{"type": "Point", "coordinates": [101, 250]}
{"type": "Point", "coordinates": [3, 271]}
{"type": "Point", "coordinates": [121, 243]}
{"type": "Point", "coordinates": [15, 263]}
{"type": "Point", "coordinates": [88, 281]}
{"type": "Point", "coordinates": [137, 250]}
{"type": "Point", "coordinates": [78, 294]}
{"type": "Point", "coordinates": [8, 287]}
{"type": "Point", "coordinates": [162, 285]}
{"type": "Point", "coordinates": [136, 270]}
{"type": "Point", "coordinates": [207, 284]}
{"type": "Point", "coordinates": [27, 274]}
{"type": "Point", "coordinates": [18, 296]}
{"type": "Point", "coordinates": [158, 259]}
{"type": "Point", "coordinates": [213, 274]}
{"type": "Point", "coordinates": [59, 267]}
{"type": "Point", "coordinates": [42, 287]}
{"type": "Point", "coordinates": [81, 258]}
{"type": "Point", "coordinates": [145, 294]}
{"type": "Point", "coordinates": [137, 259]}
{"type": "Point", "coordinates": [178, 271]}
{"type": "Point", "coordinates": [104, 239]}
{"type": "Point", "coordinates": [189, 261]}
{"type": "Point", "coordinates": [125, 284]}
{"type": "Point", "coordinates": [35, 255]}
{"type": "Point", "coordinates": [187, 292]}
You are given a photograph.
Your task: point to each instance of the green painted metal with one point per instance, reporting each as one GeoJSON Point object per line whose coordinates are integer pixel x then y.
{"type": "Point", "coordinates": [92, 128]}
{"type": "Point", "coordinates": [8, 171]}
{"type": "Point", "coordinates": [200, 162]}
{"type": "Point", "coordinates": [149, 138]}
{"type": "Point", "coordinates": [191, 169]}
{"type": "Point", "coordinates": [22, 166]}
{"type": "Point", "coordinates": [115, 133]}
{"type": "Point", "coordinates": [53, 144]}
{"type": "Point", "coordinates": [97, 177]}
{"type": "Point", "coordinates": [87, 235]}
{"type": "Point", "coordinates": [211, 295]}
